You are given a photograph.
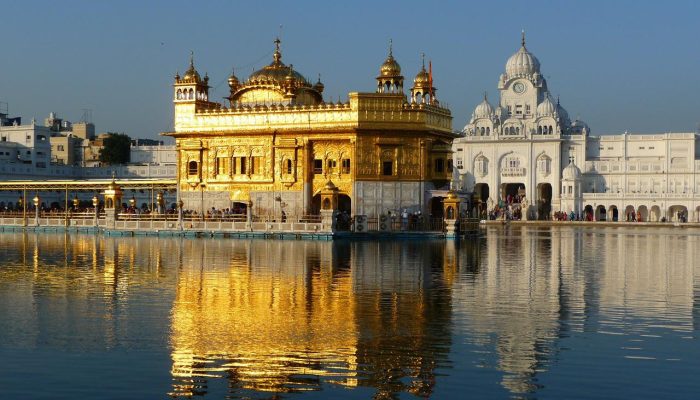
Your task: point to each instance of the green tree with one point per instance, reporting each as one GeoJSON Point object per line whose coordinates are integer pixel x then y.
{"type": "Point", "coordinates": [116, 149]}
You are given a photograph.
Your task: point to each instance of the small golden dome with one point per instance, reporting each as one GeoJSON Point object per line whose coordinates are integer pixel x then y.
{"type": "Point", "coordinates": [390, 67]}
{"type": "Point", "coordinates": [191, 72]}
{"type": "Point", "coordinates": [330, 186]}
{"type": "Point", "coordinates": [233, 80]}
{"type": "Point", "coordinates": [422, 79]}
{"type": "Point", "coordinates": [318, 86]}
{"type": "Point", "coordinates": [451, 195]}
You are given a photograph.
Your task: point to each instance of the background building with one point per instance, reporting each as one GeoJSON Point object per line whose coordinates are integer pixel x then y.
{"type": "Point", "coordinates": [527, 154]}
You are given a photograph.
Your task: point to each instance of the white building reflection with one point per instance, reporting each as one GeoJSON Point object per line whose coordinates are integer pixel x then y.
{"type": "Point", "coordinates": [536, 286]}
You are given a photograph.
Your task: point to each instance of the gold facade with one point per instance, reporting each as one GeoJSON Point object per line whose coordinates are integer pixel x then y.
{"type": "Point", "coordinates": [276, 135]}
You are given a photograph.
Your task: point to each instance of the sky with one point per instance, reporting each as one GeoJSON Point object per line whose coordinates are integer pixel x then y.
{"type": "Point", "coordinates": [618, 65]}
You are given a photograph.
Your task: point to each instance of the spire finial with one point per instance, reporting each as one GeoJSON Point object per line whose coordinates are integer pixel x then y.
{"type": "Point", "coordinates": [191, 58]}
{"type": "Point", "coordinates": [277, 56]}
{"type": "Point", "coordinates": [522, 41]}
{"type": "Point", "coordinates": [486, 96]}
{"type": "Point", "coordinates": [422, 56]}
{"type": "Point", "coordinates": [557, 99]}
{"type": "Point", "coordinates": [391, 50]}
{"type": "Point", "coordinates": [319, 77]}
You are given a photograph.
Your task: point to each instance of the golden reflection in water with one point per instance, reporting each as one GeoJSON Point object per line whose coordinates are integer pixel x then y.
{"type": "Point", "coordinates": [282, 316]}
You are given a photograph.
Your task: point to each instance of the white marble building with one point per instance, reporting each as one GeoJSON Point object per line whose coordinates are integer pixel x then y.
{"type": "Point", "coordinates": [527, 146]}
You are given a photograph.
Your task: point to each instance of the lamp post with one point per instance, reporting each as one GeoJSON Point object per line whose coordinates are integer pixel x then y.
{"type": "Point", "coordinates": [159, 201]}
{"type": "Point", "coordinates": [95, 203]}
{"type": "Point", "coordinates": [36, 210]}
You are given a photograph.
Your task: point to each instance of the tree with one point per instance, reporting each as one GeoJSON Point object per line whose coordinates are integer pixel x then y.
{"type": "Point", "coordinates": [116, 149]}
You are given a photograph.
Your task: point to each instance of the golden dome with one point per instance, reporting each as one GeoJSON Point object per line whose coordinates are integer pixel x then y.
{"type": "Point", "coordinates": [318, 86]}
{"type": "Point", "coordinates": [451, 195]}
{"type": "Point", "coordinates": [422, 79]}
{"type": "Point", "coordinates": [330, 186]}
{"type": "Point", "coordinates": [276, 72]}
{"type": "Point", "coordinates": [390, 68]}
{"type": "Point", "coordinates": [233, 80]}
{"type": "Point", "coordinates": [191, 72]}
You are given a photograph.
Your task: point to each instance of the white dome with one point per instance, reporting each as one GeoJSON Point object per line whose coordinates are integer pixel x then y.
{"type": "Point", "coordinates": [483, 110]}
{"type": "Point", "coordinates": [578, 126]}
{"type": "Point", "coordinates": [571, 172]}
{"type": "Point", "coordinates": [546, 108]}
{"type": "Point", "coordinates": [522, 63]}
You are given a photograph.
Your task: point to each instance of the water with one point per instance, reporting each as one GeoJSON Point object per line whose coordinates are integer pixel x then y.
{"type": "Point", "coordinates": [523, 313]}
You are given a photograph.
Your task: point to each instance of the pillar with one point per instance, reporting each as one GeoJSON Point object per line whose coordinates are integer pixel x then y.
{"type": "Point", "coordinates": [451, 214]}
{"type": "Point", "coordinates": [36, 201]}
{"type": "Point", "coordinates": [113, 203]}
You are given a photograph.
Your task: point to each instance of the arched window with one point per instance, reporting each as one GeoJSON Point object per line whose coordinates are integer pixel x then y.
{"type": "Point", "coordinates": [483, 131]}
{"type": "Point", "coordinates": [191, 95]}
{"type": "Point", "coordinates": [289, 166]}
{"type": "Point", "coordinates": [550, 130]}
{"type": "Point", "coordinates": [481, 165]}
{"type": "Point", "coordinates": [179, 94]}
{"type": "Point", "coordinates": [517, 131]}
{"type": "Point", "coordinates": [539, 130]}
{"type": "Point", "coordinates": [192, 168]}
{"type": "Point", "coordinates": [488, 131]}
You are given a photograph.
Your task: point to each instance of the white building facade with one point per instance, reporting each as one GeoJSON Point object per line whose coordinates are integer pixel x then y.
{"type": "Point", "coordinates": [527, 157]}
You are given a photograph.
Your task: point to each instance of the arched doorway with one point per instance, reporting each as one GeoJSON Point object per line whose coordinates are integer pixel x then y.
{"type": "Point", "coordinates": [481, 194]}
{"type": "Point", "coordinates": [678, 214]}
{"type": "Point", "coordinates": [512, 192]}
{"type": "Point", "coordinates": [600, 214]}
{"type": "Point", "coordinates": [344, 203]}
{"type": "Point", "coordinates": [315, 205]}
{"type": "Point", "coordinates": [544, 202]}
{"type": "Point", "coordinates": [588, 213]}
{"type": "Point", "coordinates": [613, 214]}
{"type": "Point", "coordinates": [240, 208]}
{"type": "Point", "coordinates": [630, 214]}
{"type": "Point", "coordinates": [436, 207]}
{"type": "Point", "coordinates": [655, 214]}
{"type": "Point", "coordinates": [642, 214]}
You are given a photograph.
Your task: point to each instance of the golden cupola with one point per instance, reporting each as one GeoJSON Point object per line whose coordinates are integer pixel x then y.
{"type": "Point", "coordinates": [390, 79]}
{"type": "Point", "coordinates": [191, 86]}
{"type": "Point", "coordinates": [423, 90]}
{"type": "Point", "coordinates": [191, 73]}
{"type": "Point", "coordinates": [233, 82]}
{"type": "Point", "coordinates": [275, 83]}
{"type": "Point", "coordinates": [319, 85]}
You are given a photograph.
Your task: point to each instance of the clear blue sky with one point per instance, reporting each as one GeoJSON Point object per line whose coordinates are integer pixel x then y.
{"type": "Point", "coordinates": [619, 65]}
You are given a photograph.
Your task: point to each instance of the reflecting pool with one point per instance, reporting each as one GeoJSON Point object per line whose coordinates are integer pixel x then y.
{"type": "Point", "coordinates": [562, 312]}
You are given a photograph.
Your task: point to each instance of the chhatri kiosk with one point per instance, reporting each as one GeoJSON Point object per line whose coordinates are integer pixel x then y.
{"type": "Point", "coordinates": [276, 143]}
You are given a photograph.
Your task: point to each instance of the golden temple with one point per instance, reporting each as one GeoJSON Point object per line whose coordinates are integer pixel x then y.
{"type": "Point", "coordinates": [277, 143]}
